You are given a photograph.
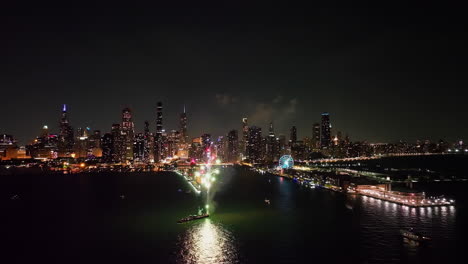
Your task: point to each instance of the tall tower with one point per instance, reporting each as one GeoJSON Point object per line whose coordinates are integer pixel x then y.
{"type": "Point", "coordinates": [325, 133]}
{"type": "Point", "coordinates": [245, 137]}
{"type": "Point", "coordinates": [316, 135]}
{"type": "Point", "coordinates": [116, 152]}
{"type": "Point", "coordinates": [183, 127]}
{"type": "Point", "coordinates": [254, 145]}
{"type": "Point", "coordinates": [293, 136]}
{"type": "Point", "coordinates": [233, 144]}
{"type": "Point", "coordinates": [158, 140]}
{"type": "Point", "coordinates": [271, 144]}
{"type": "Point", "coordinates": [66, 139]}
{"type": "Point", "coordinates": [127, 131]}
{"type": "Point", "coordinates": [148, 155]}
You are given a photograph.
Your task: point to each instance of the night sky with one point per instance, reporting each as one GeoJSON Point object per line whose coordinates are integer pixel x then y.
{"type": "Point", "coordinates": [384, 73]}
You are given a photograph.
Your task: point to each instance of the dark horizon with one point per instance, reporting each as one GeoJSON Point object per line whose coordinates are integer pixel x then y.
{"type": "Point", "coordinates": [384, 74]}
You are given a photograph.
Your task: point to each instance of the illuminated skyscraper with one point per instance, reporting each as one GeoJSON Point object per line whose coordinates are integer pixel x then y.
{"type": "Point", "coordinates": [254, 144]}
{"type": "Point", "coordinates": [183, 128]}
{"type": "Point", "coordinates": [158, 140]}
{"type": "Point", "coordinates": [127, 131]}
{"type": "Point", "coordinates": [316, 135]}
{"type": "Point", "coordinates": [66, 139]}
{"type": "Point", "coordinates": [107, 147]}
{"type": "Point", "coordinates": [233, 146]}
{"type": "Point", "coordinates": [325, 133]}
{"type": "Point", "coordinates": [293, 136]}
{"type": "Point", "coordinates": [272, 146]}
{"type": "Point", "coordinates": [139, 147]}
{"type": "Point", "coordinates": [148, 155]}
{"type": "Point", "coordinates": [117, 143]}
{"type": "Point", "coordinates": [245, 137]}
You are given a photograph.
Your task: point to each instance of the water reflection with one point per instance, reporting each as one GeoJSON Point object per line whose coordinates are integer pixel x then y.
{"type": "Point", "coordinates": [208, 242]}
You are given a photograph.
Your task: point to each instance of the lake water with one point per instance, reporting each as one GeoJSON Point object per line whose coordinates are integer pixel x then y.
{"type": "Point", "coordinates": [131, 218]}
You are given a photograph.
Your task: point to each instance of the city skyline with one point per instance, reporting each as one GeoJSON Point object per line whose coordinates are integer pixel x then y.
{"type": "Point", "coordinates": [181, 118]}
{"type": "Point", "coordinates": [174, 122]}
{"type": "Point", "coordinates": [386, 73]}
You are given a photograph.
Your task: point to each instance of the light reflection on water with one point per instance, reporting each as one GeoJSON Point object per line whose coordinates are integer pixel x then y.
{"type": "Point", "coordinates": [207, 242]}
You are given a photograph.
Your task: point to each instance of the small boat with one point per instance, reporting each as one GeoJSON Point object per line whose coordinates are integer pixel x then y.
{"type": "Point", "coordinates": [414, 236]}
{"type": "Point", "coordinates": [192, 217]}
{"type": "Point", "coordinates": [267, 201]}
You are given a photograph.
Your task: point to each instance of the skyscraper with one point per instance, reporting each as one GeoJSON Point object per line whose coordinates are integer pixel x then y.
{"type": "Point", "coordinates": [107, 147]}
{"type": "Point", "coordinates": [117, 143]}
{"type": "Point", "coordinates": [148, 155]}
{"type": "Point", "coordinates": [245, 137]}
{"type": "Point", "coordinates": [158, 140]}
{"type": "Point", "coordinates": [254, 144]}
{"type": "Point", "coordinates": [139, 147]}
{"type": "Point", "coordinates": [233, 146]}
{"type": "Point", "coordinates": [66, 139]}
{"type": "Point", "coordinates": [325, 133]}
{"type": "Point", "coordinates": [183, 127]}
{"type": "Point", "coordinates": [127, 131]}
{"type": "Point", "coordinates": [293, 136]}
{"type": "Point", "coordinates": [316, 135]}
{"type": "Point", "coordinates": [272, 146]}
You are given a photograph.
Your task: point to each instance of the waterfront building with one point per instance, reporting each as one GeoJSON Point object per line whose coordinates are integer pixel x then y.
{"type": "Point", "coordinates": [95, 144]}
{"type": "Point", "coordinates": [283, 149]}
{"type": "Point", "coordinates": [293, 136]}
{"type": "Point", "coordinates": [272, 146]}
{"type": "Point", "coordinates": [148, 152]}
{"type": "Point", "coordinates": [66, 138]}
{"type": "Point", "coordinates": [183, 127]}
{"type": "Point", "coordinates": [196, 150]}
{"type": "Point", "coordinates": [117, 143]}
{"type": "Point", "coordinates": [158, 140]}
{"type": "Point", "coordinates": [81, 149]}
{"type": "Point", "coordinates": [127, 132]}
{"type": "Point", "coordinates": [244, 140]}
{"type": "Point", "coordinates": [325, 132]}
{"type": "Point", "coordinates": [316, 136]}
{"type": "Point", "coordinates": [254, 144]}
{"type": "Point", "coordinates": [139, 148]}
{"type": "Point", "coordinates": [173, 143]}
{"type": "Point", "coordinates": [107, 147]}
{"type": "Point", "coordinates": [233, 146]}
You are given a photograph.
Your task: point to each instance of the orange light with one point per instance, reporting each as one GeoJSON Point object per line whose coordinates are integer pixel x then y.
{"type": "Point", "coordinates": [82, 165]}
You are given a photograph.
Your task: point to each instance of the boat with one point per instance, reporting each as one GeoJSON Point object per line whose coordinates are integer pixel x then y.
{"type": "Point", "coordinates": [414, 236]}
{"type": "Point", "coordinates": [192, 217]}
{"type": "Point", "coordinates": [267, 201]}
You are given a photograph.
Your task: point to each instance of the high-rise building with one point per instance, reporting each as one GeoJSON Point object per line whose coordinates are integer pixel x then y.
{"type": "Point", "coordinates": [254, 144]}
{"type": "Point", "coordinates": [148, 155]}
{"type": "Point", "coordinates": [272, 147]}
{"type": "Point", "coordinates": [117, 143]}
{"type": "Point", "coordinates": [173, 143]}
{"type": "Point", "coordinates": [139, 147]}
{"type": "Point", "coordinates": [293, 136]}
{"type": "Point", "coordinates": [282, 145]}
{"type": "Point", "coordinates": [316, 136]}
{"type": "Point", "coordinates": [127, 132]}
{"type": "Point", "coordinates": [325, 132]}
{"type": "Point", "coordinates": [158, 140]}
{"type": "Point", "coordinates": [233, 146]}
{"type": "Point", "coordinates": [245, 137]}
{"type": "Point", "coordinates": [220, 147]}
{"type": "Point", "coordinates": [94, 144]}
{"type": "Point", "coordinates": [66, 138]}
{"type": "Point", "coordinates": [107, 144]}
{"type": "Point", "coordinates": [183, 128]}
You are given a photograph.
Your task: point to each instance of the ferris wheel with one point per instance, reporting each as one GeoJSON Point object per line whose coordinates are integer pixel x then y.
{"type": "Point", "coordinates": [286, 162]}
